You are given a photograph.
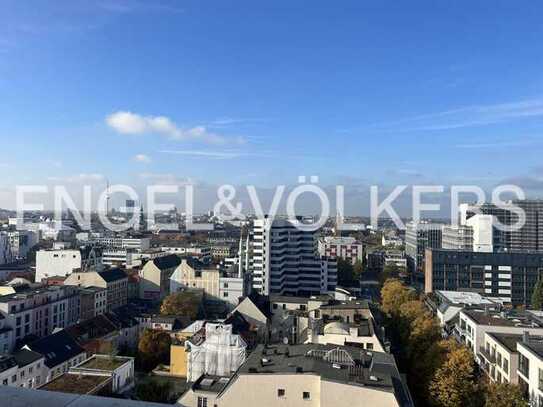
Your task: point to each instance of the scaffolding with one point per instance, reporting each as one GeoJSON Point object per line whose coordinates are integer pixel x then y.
{"type": "Point", "coordinates": [220, 354]}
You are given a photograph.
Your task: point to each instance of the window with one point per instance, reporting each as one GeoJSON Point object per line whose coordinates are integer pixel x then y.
{"type": "Point", "coordinates": [274, 306]}
{"type": "Point", "coordinates": [369, 346]}
{"type": "Point", "coordinates": [506, 365]}
{"type": "Point", "coordinates": [202, 401]}
{"type": "Point", "coordinates": [280, 392]}
{"type": "Point", "coordinates": [540, 379]}
{"type": "Point", "coordinates": [306, 395]}
{"type": "Point", "coordinates": [225, 294]}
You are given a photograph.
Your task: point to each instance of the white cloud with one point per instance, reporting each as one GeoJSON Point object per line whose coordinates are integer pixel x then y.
{"type": "Point", "coordinates": [131, 123]}
{"type": "Point", "coordinates": [142, 158]}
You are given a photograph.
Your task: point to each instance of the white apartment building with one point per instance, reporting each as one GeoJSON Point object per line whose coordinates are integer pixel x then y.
{"type": "Point", "coordinates": [475, 323]}
{"type": "Point", "coordinates": [23, 368]}
{"type": "Point", "coordinates": [51, 263]}
{"type": "Point", "coordinates": [39, 311]}
{"type": "Point", "coordinates": [530, 369]}
{"type": "Point", "coordinates": [285, 260]}
{"type": "Point", "coordinates": [346, 248]}
{"type": "Point", "coordinates": [499, 356]}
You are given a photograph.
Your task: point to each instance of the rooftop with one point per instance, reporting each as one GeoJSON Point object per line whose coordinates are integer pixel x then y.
{"type": "Point", "coordinates": [210, 383]}
{"type": "Point", "coordinates": [344, 364]}
{"type": "Point", "coordinates": [103, 362]}
{"type": "Point", "coordinates": [77, 384]}
{"type": "Point", "coordinates": [510, 318]}
{"type": "Point", "coordinates": [464, 297]}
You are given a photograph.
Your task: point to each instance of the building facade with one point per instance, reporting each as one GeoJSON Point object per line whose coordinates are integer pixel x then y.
{"type": "Point", "coordinates": [507, 275]}
{"type": "Point", "coordinates": [285, 260]}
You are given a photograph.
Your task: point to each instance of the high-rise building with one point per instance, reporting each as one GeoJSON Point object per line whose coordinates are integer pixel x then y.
{"type": "Point", "coordinates": [419, 237]}
{"type": "Point", "coordinates": [285, 260]}
{"type": "Point", "coordinates": [527, 238]}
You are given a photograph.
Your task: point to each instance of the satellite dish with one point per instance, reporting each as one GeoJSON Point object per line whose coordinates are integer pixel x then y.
{"type": "Point", "coordinates": [285, 341]}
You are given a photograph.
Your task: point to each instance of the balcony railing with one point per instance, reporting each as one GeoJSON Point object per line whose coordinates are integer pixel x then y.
{"type": "Point", "coordinates": [491, 358]}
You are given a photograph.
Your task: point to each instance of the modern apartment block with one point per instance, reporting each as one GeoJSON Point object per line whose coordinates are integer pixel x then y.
{"type": "Point", "coordinates": [286, 261]}
{"type": "Point", "coordinates": [510, 276]}
{"type": "Point", "coordinates": [419, 237]}
{"type": "Point", "coordinates": [474, 324]}
{"type": "Point", "coordinates": [39, 311]}
{"type": "Point", "coordinates": [346, 248]}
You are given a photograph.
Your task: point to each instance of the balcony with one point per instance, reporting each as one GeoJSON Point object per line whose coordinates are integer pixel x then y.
{"type": "Point", "coordinates": [488, 356]}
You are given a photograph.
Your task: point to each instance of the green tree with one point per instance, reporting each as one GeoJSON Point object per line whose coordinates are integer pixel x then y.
{"type": "Point", "coordinates": [504, 395]}
{"type": "Point", "coordinates": [537, 295]}
{"type": "Point", "coordinates": [154, 348]}
{"type": "Point", "coordinates": [181, 303]}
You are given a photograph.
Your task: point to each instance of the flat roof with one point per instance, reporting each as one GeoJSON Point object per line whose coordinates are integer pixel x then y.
{"type": "Point", "coordinates": [76, 383]}
{"type": "Point", "coordinates": [493, 318]}
{"type": "Point", "coordinates": [464, 297]}
{"type": "Point", "coordinates": [103, 363]}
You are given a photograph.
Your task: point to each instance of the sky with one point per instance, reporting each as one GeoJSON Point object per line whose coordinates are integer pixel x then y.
{"type": "Point", "coordinates": [253, 93]}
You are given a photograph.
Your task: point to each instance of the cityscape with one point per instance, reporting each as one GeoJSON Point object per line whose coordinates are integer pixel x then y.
{"type": "Point", "coordinates": [211, 204]}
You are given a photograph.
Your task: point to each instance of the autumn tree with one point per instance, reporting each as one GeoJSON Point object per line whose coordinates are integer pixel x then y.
{"type": "Point", "coordinates": [181, 303]}
{"type": "Point", "coordinates": [537, 295]}
{"type": "Point", "coordinates": [454, 382]}
{"type": "Point", "coordinates": [393, 295]}
{"type": "Point", "coordinates": [154, 348]}
{"type": "Point", "coordinates": [504, 395]}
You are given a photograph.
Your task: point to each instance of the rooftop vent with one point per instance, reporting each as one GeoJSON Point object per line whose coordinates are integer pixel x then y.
{"type": "Point", "coordinates": [374, 378]}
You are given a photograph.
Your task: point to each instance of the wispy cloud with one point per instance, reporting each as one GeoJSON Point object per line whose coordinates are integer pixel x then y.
{"type": "Point", "coordinates": [500, 143]}
{"type": "Point", "coordinates": [219, 155]}
{"type": "Point", "coordinates": [132, 6]}
{"type": "Point", "coordinates": [125, 122]}
{"type": "Point", "coordinates": [142, 158]}
{"type": "Point", "coordinates": [236, 121]}
{"type": "Point", "coordinates": [462, 117]}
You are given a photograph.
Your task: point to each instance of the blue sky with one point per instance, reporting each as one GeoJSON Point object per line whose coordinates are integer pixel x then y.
{"type": "Point", "coordinates": [247, 93]}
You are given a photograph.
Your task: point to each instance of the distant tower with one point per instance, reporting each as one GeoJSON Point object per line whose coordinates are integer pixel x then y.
{"type": "Point", "coordinates": [142, 221]}
{"type": "Point", "coordinates": [107, 197]}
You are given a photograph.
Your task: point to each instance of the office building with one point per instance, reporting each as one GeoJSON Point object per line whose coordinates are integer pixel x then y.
{"type": "Point", "coordinates": [419, 237]}
{"type": "Point", "coordinates": [509, 276]}
{"type": "Point", "coordinates": [285, 260]}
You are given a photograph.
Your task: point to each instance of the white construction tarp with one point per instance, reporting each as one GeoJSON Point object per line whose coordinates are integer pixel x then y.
{"type": "Point", "coordinates": [220, 354]}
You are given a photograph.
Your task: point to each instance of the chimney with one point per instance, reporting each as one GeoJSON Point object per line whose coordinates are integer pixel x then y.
{"type": "Point", "coordinates": [526, 337]}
